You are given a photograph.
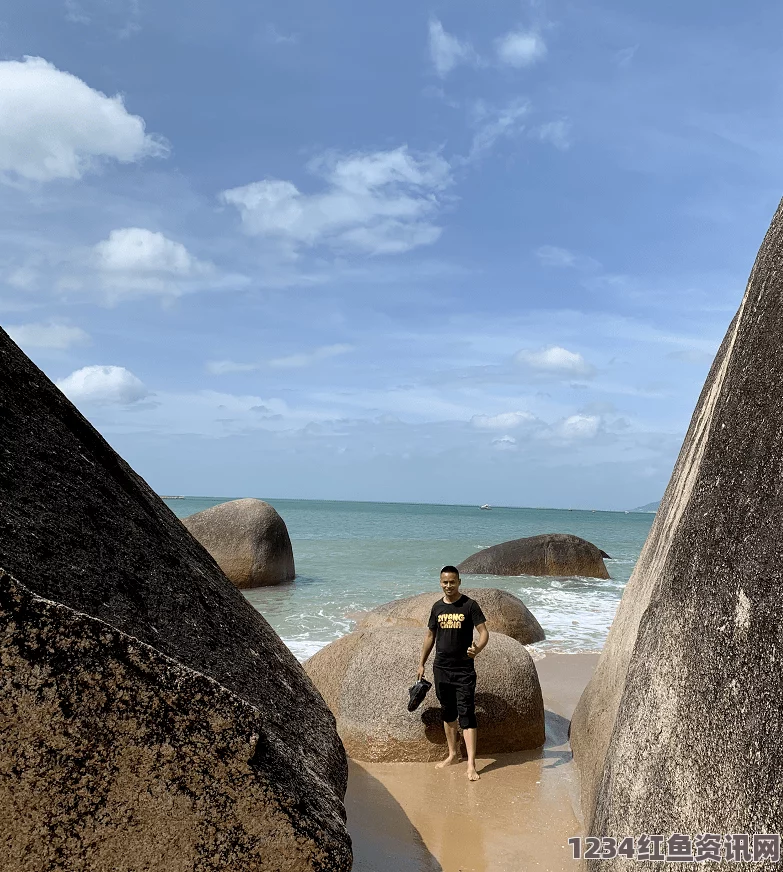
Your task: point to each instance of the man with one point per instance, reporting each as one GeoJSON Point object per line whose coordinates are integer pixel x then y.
{"type": "Point", "coordinates": [451, 624]}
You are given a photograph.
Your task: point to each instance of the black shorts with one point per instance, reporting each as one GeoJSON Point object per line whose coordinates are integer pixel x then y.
{"type": "Point", "coordinates": [456, 692]}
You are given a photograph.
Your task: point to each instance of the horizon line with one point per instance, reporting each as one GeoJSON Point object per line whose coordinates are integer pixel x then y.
{"type": "Point", "coordinates": [406, 503]}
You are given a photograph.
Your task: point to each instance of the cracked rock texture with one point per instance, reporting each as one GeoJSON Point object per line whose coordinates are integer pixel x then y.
{"type": "Point", "coordinates": [680, 728]}
{"type": "Point", "coordinates": [248, 540]}
{"type": "Point", "coordinates": [115, 752]}
{"type": "Point", "coordinates": [505, 613]}
{"type": "Point", "coordinates": [548, 554]}
{"type": "Point", "coordinates": [364, 678]}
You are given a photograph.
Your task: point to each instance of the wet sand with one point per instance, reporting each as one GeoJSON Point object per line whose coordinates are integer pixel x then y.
{"type": "Point", "coordinates": [411, 817]}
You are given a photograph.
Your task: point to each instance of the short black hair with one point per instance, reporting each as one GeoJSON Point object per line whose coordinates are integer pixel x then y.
{"type": "Point", "coordinates": [450, 569]}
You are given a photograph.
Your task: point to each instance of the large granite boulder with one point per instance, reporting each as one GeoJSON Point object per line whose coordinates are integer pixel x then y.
{"type": "Point", "coordinates": [248, 540]}
{"type": "Point", "coordinates": [549, 554]}
{"type": "Point", "coordinates": [505, 613]}
{"type": "Point", "coordinates": [134, 754]}
{"type": "Point", "coordinates": [364, 678]}
{"type": "Point", "coordinates": [150, 718]}
{"type": "Point", "coordinates": [679, 729]}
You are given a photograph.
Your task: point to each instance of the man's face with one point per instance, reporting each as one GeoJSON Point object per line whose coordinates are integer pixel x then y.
{"type": "Point", "coordinates": [449, 583]}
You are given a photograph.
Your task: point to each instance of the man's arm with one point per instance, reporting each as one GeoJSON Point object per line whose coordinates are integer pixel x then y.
{"type": "Point", "coordinates": [483, 638]}
{"type": "Point", "coordinates": [426, 648]}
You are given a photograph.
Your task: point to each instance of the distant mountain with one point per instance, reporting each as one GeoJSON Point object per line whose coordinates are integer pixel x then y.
{"type": "Point", "coordinates": [648, 507]}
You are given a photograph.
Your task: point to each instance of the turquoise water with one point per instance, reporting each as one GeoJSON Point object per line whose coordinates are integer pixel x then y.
{"type": "Point", "coordinates": [351, 557]}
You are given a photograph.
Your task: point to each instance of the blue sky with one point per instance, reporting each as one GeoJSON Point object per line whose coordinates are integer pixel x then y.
{"type": "Point", "coordinates": [448, 252]}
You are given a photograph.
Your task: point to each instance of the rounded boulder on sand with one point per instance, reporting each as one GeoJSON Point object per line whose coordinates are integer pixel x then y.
{"type": "Point", "coordinates": [364, 678]}
{"type": "Point", "coordinates": [505, 613]}
{"type": "Point", "coordinates": [248, 540]}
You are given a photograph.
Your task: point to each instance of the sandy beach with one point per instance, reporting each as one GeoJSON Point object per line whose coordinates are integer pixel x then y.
{"type": "Point", "coordinates": [411, 817]}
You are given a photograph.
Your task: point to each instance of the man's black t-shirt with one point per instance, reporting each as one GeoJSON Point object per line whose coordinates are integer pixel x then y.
{"type": "Point", "coordinates": [453, 625]}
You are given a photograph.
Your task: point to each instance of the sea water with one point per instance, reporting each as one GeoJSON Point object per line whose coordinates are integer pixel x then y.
{"type": "Point", "coordinates": [351, 557]}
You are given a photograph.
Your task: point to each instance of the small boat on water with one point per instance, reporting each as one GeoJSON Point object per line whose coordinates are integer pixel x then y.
{"type": "Point", "coordinates": [485, 506]}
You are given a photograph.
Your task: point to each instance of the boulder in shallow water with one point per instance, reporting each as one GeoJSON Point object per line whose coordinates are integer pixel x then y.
{"type": "Point", "coordinates": [364, 678]}
{"type": "Point", "coordinates": [146, 709]}
{"type": "Point", "coordinates": [505, 613]}
{"type": "Point", "coordinates": [548, 554]}
{"type": "Point", "coordinates": [679, 729]}
{"type": "Point", "coordinates": [248, 540]}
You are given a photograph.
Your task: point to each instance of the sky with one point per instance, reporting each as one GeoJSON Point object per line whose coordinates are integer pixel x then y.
{"type": "Point", "coordinates": [422, 252]}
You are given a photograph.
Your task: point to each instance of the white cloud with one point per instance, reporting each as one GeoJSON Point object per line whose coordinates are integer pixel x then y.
{"type": "Point", "coordinates": [223, 367]}
{"type": "Point", "coordinates": [75, 13]}
{"type": "Point", "coordinates": [136, 250]}
{"type": "Point", "coordinates": [624, 57]}
{"type": "Point", "coordinates": [135, 262]}
{"type": "Point", "coordinates": [55, 126]}
{"type": "Point", "coordinates": [409, 403]}
{"type": "Point", "coordinates": [375, 203]}
{"type": "Point", "coordinates": [119, 17]}
{"type": "Point", "coordinates": [503, 421]}
{"type": "Point", "coordinates": [305, 359]}
{"type": "Point", "coordinates": [494, 123]}
{"type": "Point", "coordinates": [447, 51]}
{"type": "Point", "coordinates": [556, 133]}
{"type": "Point", "coordinates": [209, 413]}
{"type": "Point", "coordinates": [505, 443]}
{"type": "Point", "coordinates": [555, 360]}
{"type": "Point", "coordinates": [103, 385]}
{"type": "Point", "coordinates": [274, 36]}
{"type": "Point", "coordinates": [59, 337]}
{"type": "Point", "coordinates": [579, 427]}
{"type": "Point", "coordinates": [553, 255]}
{"type": "Point", "coordinates": [691, 355]}
{"type": "Point", "coordinates": [520, 48]}
{"type": "Point", "coordinates": [22, 277]}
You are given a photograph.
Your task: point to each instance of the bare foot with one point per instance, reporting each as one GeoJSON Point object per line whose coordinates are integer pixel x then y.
{"type": "Point", "coordinates": [472, 774]}
{"type": "Point", "coordinates": [449, 761]}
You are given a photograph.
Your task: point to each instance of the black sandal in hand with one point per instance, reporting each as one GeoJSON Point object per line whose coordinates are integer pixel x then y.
{"type": "Point", "coordinates": [417, 693]}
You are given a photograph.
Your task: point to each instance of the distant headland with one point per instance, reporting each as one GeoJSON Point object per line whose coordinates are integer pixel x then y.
{"type": "Point", "coordinates": [648, 507]}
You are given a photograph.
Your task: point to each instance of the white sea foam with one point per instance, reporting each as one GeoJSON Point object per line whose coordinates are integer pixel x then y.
{"type": "Point", "coordinates": [303, 649]}
{"type": "Point", "coordinates": [535, 652]}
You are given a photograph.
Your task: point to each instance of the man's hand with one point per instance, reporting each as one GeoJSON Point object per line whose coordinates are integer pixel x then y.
{"type": "Point", "coordinates": [427, 645]}
{"type": "Point", "coordinates": [482, 641]}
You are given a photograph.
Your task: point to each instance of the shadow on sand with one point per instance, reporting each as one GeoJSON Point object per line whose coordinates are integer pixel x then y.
{"type": "Point", "coordinates": [555, 751]}
{"type": "Point", "coordinates": [384, 840]}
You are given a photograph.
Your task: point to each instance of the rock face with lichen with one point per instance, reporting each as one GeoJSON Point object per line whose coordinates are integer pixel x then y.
{"type": "Point", "coordinates": [150, 718]}
{"type": "Point", "coordinates": [364, 678]}
{"type": "Point", "coordinates": [679, 729]}
{"type": "Point", "coordinates": [248, 540]}
{"type": "Point", "coordinates": [549, 554]}
{"type": "Point", "coordinates": [505, 613]}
